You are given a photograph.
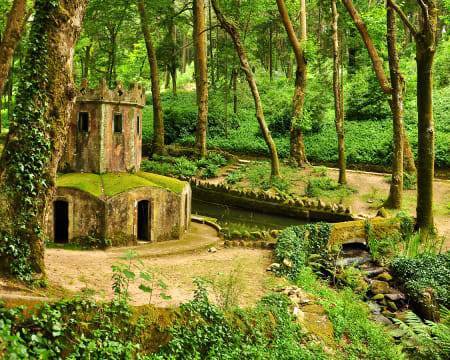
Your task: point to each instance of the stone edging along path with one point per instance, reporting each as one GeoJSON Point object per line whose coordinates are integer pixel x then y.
{"type": "Point", "coordinates": [299, 208]}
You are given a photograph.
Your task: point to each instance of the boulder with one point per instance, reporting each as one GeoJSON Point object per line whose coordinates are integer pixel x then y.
{"type": "Point", "coordinates": [379, 287]}
{"type": "Point", "coordinates": [384, 276]}
{"type": "Point", "coordinates": [287, 263]}
{"type": "Point", "coordinates": [212, 250]}
{"type": "Point", "coordinates": [273, 267]}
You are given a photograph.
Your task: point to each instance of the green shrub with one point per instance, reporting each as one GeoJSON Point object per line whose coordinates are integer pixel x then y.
{"type": "Point", "coordinates": [266, 332]}
{"type": "Point", "coordinates": [296, 244]}
{"type": "Point", "coordinates": [424, 271]}
{"type": "Point", "coordinates": [234, 177]}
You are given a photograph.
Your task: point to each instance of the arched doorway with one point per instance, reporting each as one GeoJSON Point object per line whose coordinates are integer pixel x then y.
{"type": "Point", "coordinates": [61, 221]}
{"type": "Point", "coordinates": [143, 220]}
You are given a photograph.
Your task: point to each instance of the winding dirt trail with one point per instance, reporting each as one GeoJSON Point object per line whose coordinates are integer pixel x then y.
{"type": "Point", "coordinates": [177, 263]}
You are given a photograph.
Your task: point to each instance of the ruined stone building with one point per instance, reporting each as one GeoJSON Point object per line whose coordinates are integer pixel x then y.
{"type": "Point", "coordinates": [101, 193]}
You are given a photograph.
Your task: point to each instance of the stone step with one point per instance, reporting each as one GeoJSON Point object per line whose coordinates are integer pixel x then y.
{"type": "Point", "coordinates": [244, 162]}
{"type": "Point", "coordinates": [353, 261]}
{"type": "Point", "coordinates": [373, 271]}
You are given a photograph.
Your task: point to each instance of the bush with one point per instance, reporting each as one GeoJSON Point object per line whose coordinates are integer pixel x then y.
{"type": "Point", "coordinates": [296, 244]}
{"type": "Point", "coordinates": [180, 117]}
{"type": "Point", "coordinates": [425, 271]}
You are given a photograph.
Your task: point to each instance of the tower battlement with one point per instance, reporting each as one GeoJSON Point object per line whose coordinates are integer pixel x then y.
{"type": "Point", "coordinates": [134, 95]}
{"type": "Point", "coordinates": [105, 131]}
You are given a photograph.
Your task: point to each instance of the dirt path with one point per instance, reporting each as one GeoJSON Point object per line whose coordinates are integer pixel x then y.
{"type": "Point", "coordinates": [373, 188]}
{"type": "Point", "coordinates": [177, 263]}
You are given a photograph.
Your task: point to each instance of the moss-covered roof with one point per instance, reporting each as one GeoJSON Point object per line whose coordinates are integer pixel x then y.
{"type": "Point", "coordinates": [111, 184]}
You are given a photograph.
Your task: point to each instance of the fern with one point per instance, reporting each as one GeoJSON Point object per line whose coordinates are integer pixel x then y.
{"type": "Point", "coordinates": [426, 339]}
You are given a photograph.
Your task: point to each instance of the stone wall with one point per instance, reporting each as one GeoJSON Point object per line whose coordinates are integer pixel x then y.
{"type": "Point", "coordinates": [168, 218]}
{"type": "Point", "coordinates": [100, 149]}
{"type": "Point", "coordinates": [115, 218]}
{"type": "Point", "coordinates": [299, 208]}
{"type": "Point", "coordinates": [355, 231]}
{"type": "Point", "coordinates": [86, 214]}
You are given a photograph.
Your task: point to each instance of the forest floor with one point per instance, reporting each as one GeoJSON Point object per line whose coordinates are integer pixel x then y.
{"type": "Point", "coordinates": [237, 271]}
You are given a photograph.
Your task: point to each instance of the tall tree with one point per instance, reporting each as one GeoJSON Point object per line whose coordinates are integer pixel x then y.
{"type": "Point", "coordinates": [158, 120]}
{"type": "Point", "coordinates": [377, 64]}
{"type": "Point", "coordinates": [37, 135]}
{"type": "Point", "coordinates": [201, 77]}
{"type": "Point", "coordinates": [425, 37]}
{"type": "Point", "coordinates": [245, 65]}
{"type": "Point", "coordinates": [396, 103]}
{"type": "Point", "coordinates": [298, 154]}
{"type": "Point", "coordinates": [393, 87]}
{"type": "Point", "coordinates": [338, 95]}
{"type": "Point", "coordinates": [11, 37]}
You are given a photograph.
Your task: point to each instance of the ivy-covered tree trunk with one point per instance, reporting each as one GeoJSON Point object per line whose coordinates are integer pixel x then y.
{"type": "Point", "coordinates": [338, 95]}
{"type": "Point", "coordinates": [201, 75]}
{"type": "Point", "coordinates": [158, 120]}
{"type": "Point", "coordinates": [37, 137]}
{"type": "Point", "coordinates": [245, 65]}
{"type": "Point", "coordinates": [11, 37]}
{"type": "Point", "coordinates": [298, 154]}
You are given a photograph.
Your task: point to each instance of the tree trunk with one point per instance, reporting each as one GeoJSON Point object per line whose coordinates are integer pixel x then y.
{"type": "Point", "coordinates": [12, 34]}
{"type": "Point", "coordinates": [173, 63]}
{"type": "Point", "coordinates": [338, 96]}
{"type": "Point", "coordinates": [270, 53]}
{"type": "Point", "coordinates": [377, 62]}
{"type": "Point", "coordinates": [210, 47]}
{"type": "Point", "coordinates": [184, 54]}
{"type": "Point", "coordinates": [158, 120]}
{"type": "Point", "coordinates": [425, 39]}
{"type": "Point", "coordinates": [425, 50]}
{"type": "Point", "coordinates": [396, 103]}
{"type": "Point", "coordinates": [29, 162]}
{"type": "Point", "coordinates": [234, 85]}
{"type": "Point", "coordinates": [232, 31]}
{"type": "Point", "coordinates": [199, 34]}
{"type": "Point", "coordinates": [298, 154]}
{"type": "Point", "coordinates": [86, 62]}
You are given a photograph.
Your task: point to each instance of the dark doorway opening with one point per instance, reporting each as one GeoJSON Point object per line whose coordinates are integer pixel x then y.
{"type": "Point", "coordinates": [61, 221]}
{"type": "Point", "coordinates": [143, 220]}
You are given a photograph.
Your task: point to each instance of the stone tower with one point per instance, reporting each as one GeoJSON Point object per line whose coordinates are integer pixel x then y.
{"type": "Point", "coordinates": [105, 131]}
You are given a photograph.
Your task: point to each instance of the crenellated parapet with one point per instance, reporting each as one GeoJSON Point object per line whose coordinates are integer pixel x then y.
{"type": "Point", "coordinates": [134, 95]}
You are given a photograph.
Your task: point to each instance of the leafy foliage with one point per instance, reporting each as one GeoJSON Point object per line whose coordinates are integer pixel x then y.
{"type": "Point", "coordinates": [426, 339]}
{"type": "Point", "coordinates": [296, 244]}
{"type": "Point", "coordinates": [183, 167]}
{"type": "Point", "coordinates": [422, 272]}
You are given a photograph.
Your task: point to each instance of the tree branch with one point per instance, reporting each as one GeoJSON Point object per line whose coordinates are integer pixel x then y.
{"type": "Point", "coordinates": [403, 16]}
{"type": "Point", "coordinates": [376, 59]}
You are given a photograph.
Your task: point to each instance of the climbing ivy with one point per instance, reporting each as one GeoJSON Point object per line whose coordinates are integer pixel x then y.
{"type": "Point", "coordinates": [296, 244]}
{"type": "Point", "coordinates": [28, 151]}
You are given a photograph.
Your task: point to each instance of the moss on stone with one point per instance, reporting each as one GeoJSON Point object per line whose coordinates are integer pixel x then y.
{"type": "Point", "coordinates": [116, 183]}
{"type": "Point", "coordinates": [90, 183]}
{"type": "Point", "coordinates": [165, 182]}
{"type": "Point", "coordinates": [112, 184]}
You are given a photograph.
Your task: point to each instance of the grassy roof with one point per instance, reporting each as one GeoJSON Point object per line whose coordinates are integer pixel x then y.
{"type": "Point", "coordinates": [111, 184]}
{"type": "Point", "coordinates": [90, 183]}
